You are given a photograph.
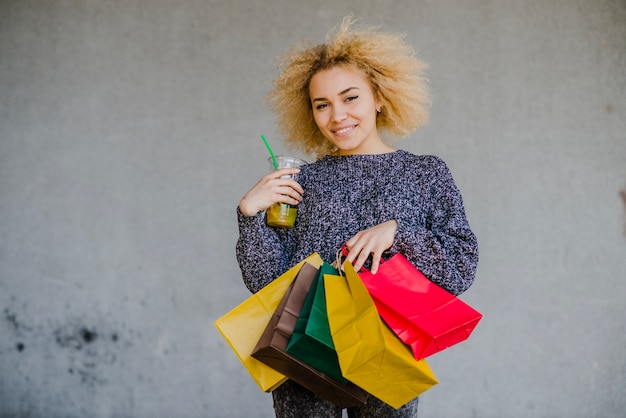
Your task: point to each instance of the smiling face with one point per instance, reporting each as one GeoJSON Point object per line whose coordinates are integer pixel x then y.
{"type": "Point", "coordinates": [344, 109]}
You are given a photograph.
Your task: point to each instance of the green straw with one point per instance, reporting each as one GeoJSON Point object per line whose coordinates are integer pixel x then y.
{"type": "Point", "coordinates": [270, 151]}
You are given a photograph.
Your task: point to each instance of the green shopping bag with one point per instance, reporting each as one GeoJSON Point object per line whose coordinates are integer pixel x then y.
{"type": "Point", "coordinates": [311, 341]}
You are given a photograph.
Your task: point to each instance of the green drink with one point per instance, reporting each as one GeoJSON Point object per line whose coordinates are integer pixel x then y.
{"type": "Point", "coordinates": [283, 215]}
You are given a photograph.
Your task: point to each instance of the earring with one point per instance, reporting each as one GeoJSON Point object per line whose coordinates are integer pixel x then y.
{"type": "Point", "coordinates": [378, 109]}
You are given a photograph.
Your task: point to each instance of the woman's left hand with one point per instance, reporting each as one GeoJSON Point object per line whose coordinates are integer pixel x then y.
{"type": "Point", "coordinates": [371, 242]}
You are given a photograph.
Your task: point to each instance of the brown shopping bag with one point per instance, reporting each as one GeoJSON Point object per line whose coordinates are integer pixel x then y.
{"type": "Point", "coordinates": [243, 326]}
{"type": "Point", "coordinates": [271, 348]}
{"type": "Point", "coordinates": [370, 354]}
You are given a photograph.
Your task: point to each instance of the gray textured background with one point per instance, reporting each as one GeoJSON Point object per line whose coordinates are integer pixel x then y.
{"type": "Point", "coordinates": [130, 129]}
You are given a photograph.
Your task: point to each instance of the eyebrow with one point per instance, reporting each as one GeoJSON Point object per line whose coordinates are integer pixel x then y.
{"type": "Point", "coordinates": [321, 99]}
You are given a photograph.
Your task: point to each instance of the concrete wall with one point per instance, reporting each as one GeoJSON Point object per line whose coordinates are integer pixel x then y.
{"type": "Point", "coordinates": [130, 129]}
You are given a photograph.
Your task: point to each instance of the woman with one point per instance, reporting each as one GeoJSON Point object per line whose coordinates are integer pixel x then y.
{"type": "Point", "coordinates": [335, 100]}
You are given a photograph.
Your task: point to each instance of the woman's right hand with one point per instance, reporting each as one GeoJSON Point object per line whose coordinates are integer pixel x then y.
{"type": "Point", "coordinates": [271, 189]}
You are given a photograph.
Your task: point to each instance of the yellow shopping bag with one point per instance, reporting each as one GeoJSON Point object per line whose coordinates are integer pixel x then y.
{"type": "Point", "coordinates": [243, 326]}
{"type": "Point", "coordinates": [370, 354]}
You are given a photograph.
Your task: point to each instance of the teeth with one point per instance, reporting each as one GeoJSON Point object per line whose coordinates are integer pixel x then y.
{"type": "Point", "coordinates": [343, 130]}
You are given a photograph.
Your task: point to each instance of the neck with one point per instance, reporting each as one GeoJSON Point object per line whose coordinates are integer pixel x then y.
{"type": "Point", "coordinates": [383, 149]}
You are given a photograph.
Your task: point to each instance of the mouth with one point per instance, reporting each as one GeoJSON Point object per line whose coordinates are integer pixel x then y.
{"type": "Point", "coordinates": [345, 130]}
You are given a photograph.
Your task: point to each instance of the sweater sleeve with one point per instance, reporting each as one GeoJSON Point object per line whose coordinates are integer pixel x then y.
{"type": "Point", "coordinates": [439, 242]}
{"type": "Point", "coordinates": [262, 251]}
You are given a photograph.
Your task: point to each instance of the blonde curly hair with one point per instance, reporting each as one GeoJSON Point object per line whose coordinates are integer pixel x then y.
{"type": "Point", "coordinates": [386, 59]}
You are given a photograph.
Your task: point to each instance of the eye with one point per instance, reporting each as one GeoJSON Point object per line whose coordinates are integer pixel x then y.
{"type": "Point", "coordinates": [321, 106]}
{"type": "Point", "coordinates": [351, 98]}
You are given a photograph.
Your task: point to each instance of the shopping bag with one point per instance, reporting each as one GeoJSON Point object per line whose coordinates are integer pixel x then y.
{"type": "Point", "coordinates": [271, 348]}
{"type": "Point", "coordinates": [311, 341]}
{"type": "Point", "coordinates": [243, 325]}
{"type": "Point", "coordinates": [423, 315]}
{"type": "Point", "coordinates": [370, 354]}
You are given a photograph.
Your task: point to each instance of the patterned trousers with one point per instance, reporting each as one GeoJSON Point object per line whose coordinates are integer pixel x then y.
{"type": "Point", "coordinates": [293, 401]}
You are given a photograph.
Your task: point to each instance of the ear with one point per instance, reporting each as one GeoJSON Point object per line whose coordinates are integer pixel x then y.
{"type": "Point", "coordinates": [379, 102]}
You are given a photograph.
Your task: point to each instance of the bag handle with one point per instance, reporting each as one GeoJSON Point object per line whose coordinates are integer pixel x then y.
{"type": "Point", "coordinates": [343, 252]}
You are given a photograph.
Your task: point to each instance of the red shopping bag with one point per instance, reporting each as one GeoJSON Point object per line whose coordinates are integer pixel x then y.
{"type": "Point", "coordinates": [423, 315]}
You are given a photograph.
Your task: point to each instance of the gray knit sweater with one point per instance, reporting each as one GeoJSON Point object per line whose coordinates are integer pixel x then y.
{"type": "Point", "coordinates": [346, 194]}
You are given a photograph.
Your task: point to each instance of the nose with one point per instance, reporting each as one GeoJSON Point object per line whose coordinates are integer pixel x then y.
{"type": "Point", "coordinates": [339, 114]}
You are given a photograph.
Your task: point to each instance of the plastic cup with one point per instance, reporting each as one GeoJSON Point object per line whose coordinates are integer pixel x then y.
{"type": "Point", "coordinates": [283, 215]}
